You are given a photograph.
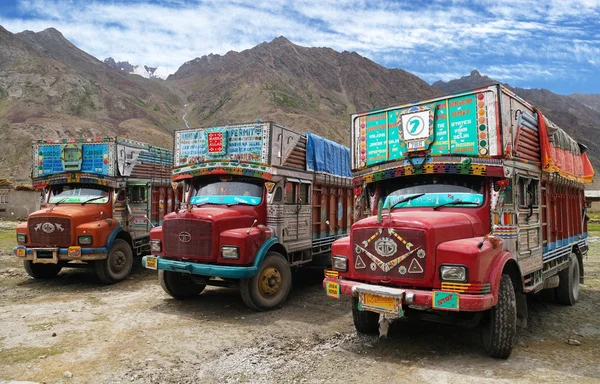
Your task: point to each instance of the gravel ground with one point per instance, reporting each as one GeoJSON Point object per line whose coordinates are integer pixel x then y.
{"type": "Point", "coordinates": [72, 329]}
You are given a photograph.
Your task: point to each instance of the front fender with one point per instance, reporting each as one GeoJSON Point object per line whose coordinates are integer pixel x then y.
{"type": "Point", "coordinates": [500, 261]}
{"type": "Point", "coordinates": [103, 232]}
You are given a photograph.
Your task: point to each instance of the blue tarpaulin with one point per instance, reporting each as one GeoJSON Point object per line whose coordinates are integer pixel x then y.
{"type": "Point", "coordinates": [324, 155]}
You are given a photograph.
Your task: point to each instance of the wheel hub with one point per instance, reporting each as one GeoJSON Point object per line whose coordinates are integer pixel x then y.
{"type": "Point", "coordinates": [117, 261]}
{"type": "Point", "coordinates": [269, 282]}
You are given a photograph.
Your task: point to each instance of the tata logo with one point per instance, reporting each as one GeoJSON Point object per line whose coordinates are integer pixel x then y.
{"type": "Point", "coordinates": [185, 237]}
{"type": "Point", "coordinates": [48, 227]}
{"type": "Point", "coordinates": [385, 247]}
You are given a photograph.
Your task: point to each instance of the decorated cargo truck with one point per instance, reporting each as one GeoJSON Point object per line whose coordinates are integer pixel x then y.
{"type": "Point", "coordinates": [100, 198]}
{"type": "Point", "coordinates": [259, 200]}
{"type": "Point", "coordinates": [464, 204]}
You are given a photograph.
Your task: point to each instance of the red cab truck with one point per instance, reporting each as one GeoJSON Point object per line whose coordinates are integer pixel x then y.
{"type": "Point", "coordinates": [100, 198]}
{"type": "Point", "coordinates": [464, 204]}
{"type": "Point", "coordinates": [258, 200]}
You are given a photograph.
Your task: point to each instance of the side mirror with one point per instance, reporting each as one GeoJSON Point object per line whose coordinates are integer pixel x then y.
{"type": "Point", "coordinates": [148, 220]}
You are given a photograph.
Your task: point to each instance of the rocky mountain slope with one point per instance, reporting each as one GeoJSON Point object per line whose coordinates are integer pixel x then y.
{"type": "Point", "coordinates": [308, 89]}
{"type": "Point", "coordinates": [592, 101]}
{"type": "Point", "coordinates": [577, 118]}
{"type": "Point", "coordinates": [51, 89]}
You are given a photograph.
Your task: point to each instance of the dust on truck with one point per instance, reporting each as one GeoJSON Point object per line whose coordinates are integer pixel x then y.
{"type": "Point", "coordinates": [464, 205]}
{"type": "Point", "coordinates": [259, 200]}
{"type": "Point", "coordinates": [100, 198]}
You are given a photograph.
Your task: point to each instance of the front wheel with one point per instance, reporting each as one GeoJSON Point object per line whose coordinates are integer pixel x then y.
{"type": "Point", "coordinates": [567, 291]}
{"type": "Point", "coordinates": [117, 264]}
{"type": "Point", "coordinates": [500, 325]}
{"type": "Point", "coordinates": [179, 285]}
{"type": "Point", "coordinates": [41, 271]}
{"type": "Point", "coordinates": [270, 287]}
{"type": "Point", "coordinates": [364, 321]}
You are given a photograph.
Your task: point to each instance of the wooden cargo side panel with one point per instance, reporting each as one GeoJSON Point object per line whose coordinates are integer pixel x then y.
{"type": "Point", "coordinates": [331, 203]}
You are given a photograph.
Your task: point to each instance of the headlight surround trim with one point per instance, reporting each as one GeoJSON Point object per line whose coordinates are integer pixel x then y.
{"type": "Point", "coordinates": [339, 263]}
{"type": "Point", "coordinates": [457, 273]}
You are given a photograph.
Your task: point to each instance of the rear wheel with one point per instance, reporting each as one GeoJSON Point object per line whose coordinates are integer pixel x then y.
{"type": "Point", "coordinates": [179, 285]}
{"type": "Point", "coordinates": [270, 287]}
{"type": "Point", "coordinates": [567, 291]}
{"type": "Point", "coordinates": [364, 321]}
{"type": "Point", "coordinates": [41, 271]}
{"type": "Point", "coordinates": [500, 325]}
{"type": "Point", "coordinates": [117, 265]}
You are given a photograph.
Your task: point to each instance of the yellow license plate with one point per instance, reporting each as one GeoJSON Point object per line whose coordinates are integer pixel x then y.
{"type": "Point", "coordinates": [151, 262]}
{"type": "Point", "coordinates": [74, 251]}
{"type": "Point", "coordinates": [21, 252]}
{"type": "Point", "coordinates": [380, 302]}
{"type": "Point", "coordinates": [333, 289]}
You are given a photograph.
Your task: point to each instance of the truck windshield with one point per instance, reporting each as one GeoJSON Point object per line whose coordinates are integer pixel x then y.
{"type": "Point", "coordinates": [70, 194]}
{"type": "Point", "coordinates": [227, 192]}
{"type": "Point", "coordinates": [434, 191]}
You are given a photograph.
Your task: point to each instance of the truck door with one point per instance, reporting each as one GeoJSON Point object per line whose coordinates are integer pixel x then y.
{"type": "Point", "coordinates": [297, 214]}
{"type": "Point", "coordinates": [529, 239]}
{"type": "Point", "coordinates": [138, 201]}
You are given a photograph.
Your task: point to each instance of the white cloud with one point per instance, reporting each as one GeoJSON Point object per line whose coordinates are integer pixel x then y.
{"type": "Point", "coordinates": [440, 38]}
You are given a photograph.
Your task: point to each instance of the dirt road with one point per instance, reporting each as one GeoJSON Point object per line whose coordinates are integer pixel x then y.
{"type": "Point", "coordinates": [72, 329]}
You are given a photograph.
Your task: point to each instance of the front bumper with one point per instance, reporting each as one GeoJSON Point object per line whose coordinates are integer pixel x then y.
{"type": "Point", "coordinates": [52, 255]}
{"type": "Point", "coordinates": [416, 297]}
{"type": "Point", "coordinates": [208, 270]}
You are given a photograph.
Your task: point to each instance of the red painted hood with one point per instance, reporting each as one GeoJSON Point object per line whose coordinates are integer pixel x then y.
{"type": "Point", "coordinates": [402, 248]}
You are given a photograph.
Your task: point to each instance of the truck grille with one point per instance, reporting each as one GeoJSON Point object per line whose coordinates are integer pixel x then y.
{"type": "Point", "coordinates": [390, 253]}
{"type": "Point", "coordinates": [188, 238]}
{"type": "Point", "coordinates": [50, 231]}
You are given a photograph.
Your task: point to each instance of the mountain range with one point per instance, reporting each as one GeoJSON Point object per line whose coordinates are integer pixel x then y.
{"type": "Point", "coordinates": [49, 88]}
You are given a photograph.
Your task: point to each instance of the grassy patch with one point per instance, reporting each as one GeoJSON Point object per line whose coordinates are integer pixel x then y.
{"type": "Point", "coordinates": [83, 104]}
{"type": "Point", "coordinates": [92, 300]}
{"type": "Point", "coordinates": [24, 354]}
{"type": "Point", "coordinates": [594, 229]}
{"type": "Point", "coordinates": [8, 239]}
{"type": "Point", "coordinates": [42, 326]}
{"type": "Point", "coordinates": [3, 93]}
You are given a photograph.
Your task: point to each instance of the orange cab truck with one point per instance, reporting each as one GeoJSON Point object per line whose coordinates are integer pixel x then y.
{"type": "Point", "coordinates": [259, 199]}
{"type": "Point", "coordinates": [100, 198]}
{"type": "Point", "coordinates": [465, 204]}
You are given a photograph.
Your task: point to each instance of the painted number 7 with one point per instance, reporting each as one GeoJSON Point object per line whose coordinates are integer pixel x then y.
{"type": "Point", "coordinates": [414, 125]}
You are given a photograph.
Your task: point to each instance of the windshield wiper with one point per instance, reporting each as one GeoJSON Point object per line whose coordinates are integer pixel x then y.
{"type": "Point", "coordinates": [239, 203]}
{"type": "Point", "coordinates": [409, 198]}
{"type": "Point", "coordinates": [61, 200]}
{"type": "Point", "coordinates": [454, 203]}
{"type": "Point", "coordinates": [93, 198]}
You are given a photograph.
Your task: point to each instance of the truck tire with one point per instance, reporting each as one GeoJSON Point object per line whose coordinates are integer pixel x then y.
{"type": "Point", "coordinates": [364, 321]}
{"type": "Point", "coordinates": [567, 291]}
{"type": "Point", "coordinates": [179, 285]}
{"type": "Point", "coordinates": [41, 271]}
{"type": "Point", "coordinates": [499, 329]}
{"type": "Point", "coordinates": [270, 287]}
{"type": "Point", "coordinates": [117, 264]}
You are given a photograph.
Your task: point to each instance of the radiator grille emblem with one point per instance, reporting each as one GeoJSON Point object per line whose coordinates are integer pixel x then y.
{"type": "Point", "coordinates": [185, 237]}
{"type": "Point", "coordinates": [385, 247]}
{"type": "Point", "coordinates": [48, 227]}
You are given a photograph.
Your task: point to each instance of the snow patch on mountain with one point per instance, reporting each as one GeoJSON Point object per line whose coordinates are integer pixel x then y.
{"type": "Point", "coordinates": [142, 70]}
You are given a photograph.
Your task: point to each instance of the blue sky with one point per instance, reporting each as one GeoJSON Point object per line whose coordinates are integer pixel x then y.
{"type": "Point", "coordinates": [555, 45]}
